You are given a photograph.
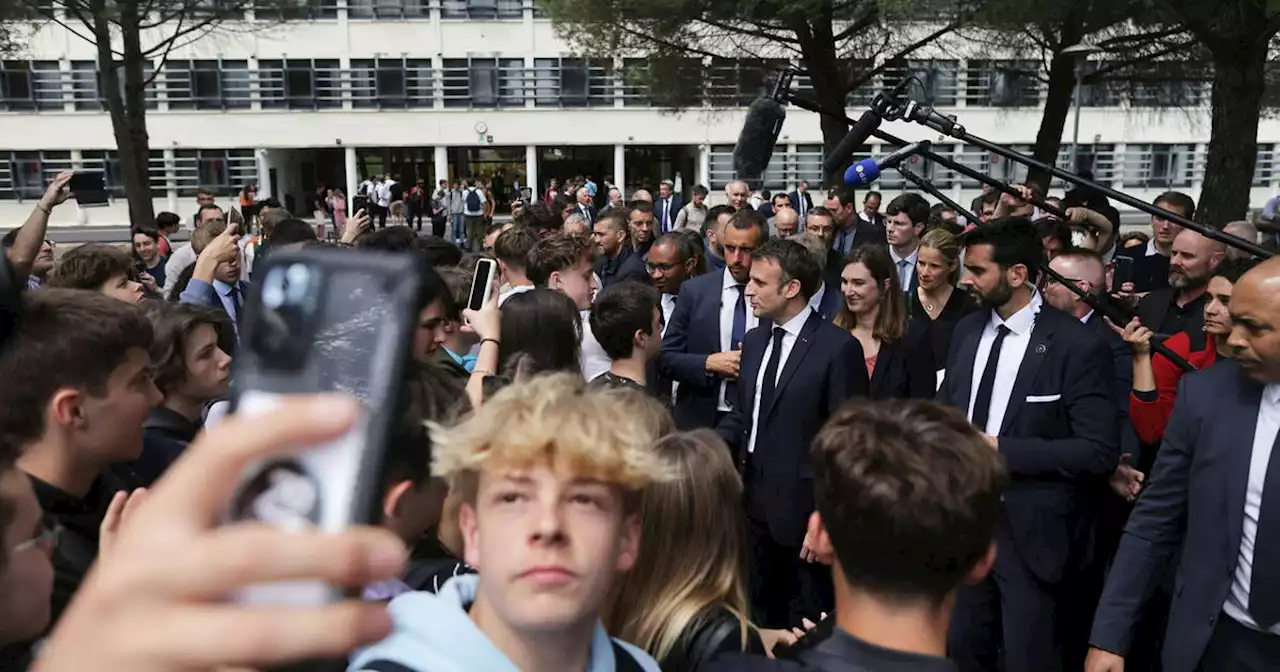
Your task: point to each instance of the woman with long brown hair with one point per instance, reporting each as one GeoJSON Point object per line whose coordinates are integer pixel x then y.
{"type": "Point", "coordinates": [898, 352]}
{"type": "Point", "coordinates": [685, 601]}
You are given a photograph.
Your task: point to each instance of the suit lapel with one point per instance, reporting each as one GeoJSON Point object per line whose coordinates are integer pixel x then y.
{"type": "Point", "coordinates": [1241, 424]}
{"type": "Point", "coordinates": [960, 374]}
{"type": "Point", "coordinates": [801, 348]}
{"type": "Point", "coordinates": [750, 370]}
{"type": "Point", "coordinates": [882, 364]}
{"type": "Point", "coordinates": [1029, 370]}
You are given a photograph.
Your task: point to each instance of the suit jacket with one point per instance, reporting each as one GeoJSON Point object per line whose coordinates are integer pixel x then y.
{"type": "Point", "coordinates": [694, 333]}
{"type": "Point", "coordinates": [1122, 367]}
{"type": "Point", "coordinates": [590, 213]}
{"type": "Point", "coordinates": [628, 265]}
{"type": "Point", "coordinates": [1192, 508]}
{"type": "Point", "coordinates": [824, 369]}
{"type": "Point", "coordinates": [795, 201]}
{"type": "Point", "coordinates": [676, 204]}
{"type": "Point", "coordinates": [1154, 307]}
{"type": "Point", "coordinates": [1058, 436]}
{"type": "Point", "coordinates": [831, 300]}
{"type": "Point", "coordinates": [905, 369]}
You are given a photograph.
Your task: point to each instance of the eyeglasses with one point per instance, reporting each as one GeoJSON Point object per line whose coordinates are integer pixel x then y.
{"type": "Point", "coordinates": [46, 540]}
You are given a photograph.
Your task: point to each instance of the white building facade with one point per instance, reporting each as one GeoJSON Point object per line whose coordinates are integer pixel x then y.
{"type": "Point", "coordinates": [461, 88]}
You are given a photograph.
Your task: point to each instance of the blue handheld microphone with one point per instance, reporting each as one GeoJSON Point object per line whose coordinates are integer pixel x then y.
{"type": "Point", "coordinates": [866, 171]}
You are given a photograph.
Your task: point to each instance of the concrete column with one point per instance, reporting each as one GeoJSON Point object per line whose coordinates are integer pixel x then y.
{"type": "Point", "coordinates": [171, 181]}
{"type": "Point", "coordinates": [704, 165]}
{"type": "Point", "coordinates": [353, 178]}
{"type": "Point", "coordinates": [620, 170]}
{"type": "Point", "coordinates": [531, 168]}
{"type": "Point", "coordinates": [442, 163]}
{"type": "Point", "coordinates": [265, 188]}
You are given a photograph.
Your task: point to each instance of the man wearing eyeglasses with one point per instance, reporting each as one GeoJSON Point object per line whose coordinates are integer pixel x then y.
{"type": "Point", "coordinates": [29, 252]}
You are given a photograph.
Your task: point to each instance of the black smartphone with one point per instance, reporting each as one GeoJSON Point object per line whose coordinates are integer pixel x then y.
{"type": "Point", "coordinates": [323, 320]}
{"type": "Point", "coordinates": [482, 283]}
{"type": "Point", "coordinates": [88, 188]}
{"type": "Point", "coordinates": [1123, 272]}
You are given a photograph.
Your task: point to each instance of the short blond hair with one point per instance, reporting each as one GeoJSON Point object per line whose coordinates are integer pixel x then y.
{"type": "Point", "coordinates": [554, 420]}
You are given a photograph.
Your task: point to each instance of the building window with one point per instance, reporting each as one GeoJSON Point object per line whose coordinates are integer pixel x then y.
{"type": "Point", "coordinates": [939, 80]}
{"type": "Point", "coordinates": [721, 171]}
{"type": "Point", "coordinates": [305, 9]}
{"type": "Point", "coordinates": [158, 174]}
{"type": "Point", "coordinates": [482, 9]}
{"type": "Point", "coordinates": [736, 83]}
{"type": "Point", "coordinates": [300, 84]}
{"type": "Point", "coordinates": [225, 171]}
{"type": "Point", "coordinates": [34, 85]}
{"type": "Point", "coordinates": [207, 85]}
{"type": "Point", "coordinates": [148, 74]}
{"type": "Point", "coordinates": [391, 83]}
{"type": "Point", "coordinates": [483, 82]}
{"type": "Point", "coordinates": [387, 9]}
{"type": "Point", "coordinates": [1264, 169]}
{"type": "Point", "coordinates": [1002, 84]}
{"type": "Point", "coordinates": [1097, 159]}
{"type": "Point", "coordinates": [1159, 166]}
{"type": "Point", "coordinates": [84, 85]}
{"type": "Point", "coordinates": [30, 173]}
{"type": "Point", "coordinates": [1168, 85]}
{"type": "Point", "coordinates": [570, 82]}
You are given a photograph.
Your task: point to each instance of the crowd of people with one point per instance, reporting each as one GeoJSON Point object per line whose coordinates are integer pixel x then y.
{"type": "Point", "coordinates": [788, 432]}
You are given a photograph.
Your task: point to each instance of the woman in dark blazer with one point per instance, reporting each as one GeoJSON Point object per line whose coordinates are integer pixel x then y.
{"type": "Point", "coordinates": [898, 350]}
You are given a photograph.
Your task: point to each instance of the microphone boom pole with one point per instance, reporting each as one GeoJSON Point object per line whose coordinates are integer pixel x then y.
{"type": "Point", "coordinates": [1110, 310]}
{"type": "Point", "coordinates": [911, 111]}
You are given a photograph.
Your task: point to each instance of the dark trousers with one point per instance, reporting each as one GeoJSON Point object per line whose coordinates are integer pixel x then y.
{"type": "Point", "coordinates": [1235, 648]}
{"type": "Point", "coordinates": [380, 214]}
{"type": "Point", "coordinates": [1015, 617]}
{"type": "Point", "coordinates": [784, 588]}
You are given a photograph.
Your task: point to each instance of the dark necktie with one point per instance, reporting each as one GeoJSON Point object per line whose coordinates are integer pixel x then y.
{"type": "Point", "coordinates": [982, 403]}
{"type": "Point", "coordinates": [666, 215]}
{"type": "Point", "coordinates": [771, 375]}
{"type": "Point", "coordinates": [1264, 585]}
{"type": "Point", "coordinates": [736, 333]}
{"type": "Point", "coordinates": [234, 295]}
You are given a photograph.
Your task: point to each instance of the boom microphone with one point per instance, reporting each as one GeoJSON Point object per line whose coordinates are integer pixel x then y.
{"type": "Point", "coordinates": [858, 135]}
{"type": "Point", "coordinates": [867, 171]}
{"type": "Point", "coordinates": [759, 134]}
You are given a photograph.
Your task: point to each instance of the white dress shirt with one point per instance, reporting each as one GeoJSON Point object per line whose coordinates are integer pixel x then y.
{"type": "Point", "coordinates": [511, 291]}
{"type": "Point", "coordinates": [817, 297]}
{"type": "Point", "coordinates": [905, 274]}
{"type": "Point", "coordinates": [668, 307]}
{"type": "Point", "coordinates": [792, 332]}
{"type": "Point", "coordinates": [1264, 437]}
{"type": "Point", "coordinates": [593, 357]}
{"type": "Point", "coordinates": [1012, 350]}
{"type": "Point", "coordinates": [728, 299]}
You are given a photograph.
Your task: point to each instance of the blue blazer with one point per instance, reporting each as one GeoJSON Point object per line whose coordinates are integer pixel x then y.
{"type": "Point", "coordinates": [825, 368]}
{"type": "Point", "coordinates": [1058, 436]}
{"type": "Point", "coordinates": [1192, 509]}
{"type": "Point", "coordinates": [694, 333]}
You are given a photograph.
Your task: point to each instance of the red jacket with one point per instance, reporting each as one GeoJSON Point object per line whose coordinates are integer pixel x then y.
{"type": "Point", "coordinates": [1150, 418]}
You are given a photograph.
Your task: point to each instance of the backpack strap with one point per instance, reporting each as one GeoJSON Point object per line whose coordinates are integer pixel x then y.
{"type": "Point", "coordinates": [623, 661]}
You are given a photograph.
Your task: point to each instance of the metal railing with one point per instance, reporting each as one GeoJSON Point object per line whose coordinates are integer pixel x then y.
{"type": "Point", "coordinates": [1160, 165]}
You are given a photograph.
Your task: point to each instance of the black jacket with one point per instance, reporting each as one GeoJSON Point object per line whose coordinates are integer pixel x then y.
{"type": "Point", "coordinates": [713, 633]}
{"type": "Point", "coordinates": [165, 434]}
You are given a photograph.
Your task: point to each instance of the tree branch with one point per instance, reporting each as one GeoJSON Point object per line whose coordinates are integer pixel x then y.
{"type": "Point", "coordinates": [52, 17]}
{"type": "Point", "coordinates": [739, 29]}
{"type": "Point", "coordinates": [868, 19]}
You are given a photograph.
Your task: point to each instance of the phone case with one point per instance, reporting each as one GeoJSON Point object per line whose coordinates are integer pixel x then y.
{"type": "Point", "coordinates": [323, 320]}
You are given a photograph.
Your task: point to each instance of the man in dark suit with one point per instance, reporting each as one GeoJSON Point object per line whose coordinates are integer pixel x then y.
{"type": "Point", "coordinates": [851, 231]}
{"type": "Point", "coordinates": [716, 222]}
{"type": "Point", "coordinates": [1151, 261]}
{"type": "Point", "coordinates": [585, 207]}
{"type": "Point", "coordinates": [667, 207]}
{"type": "Point", "coordinates": [1213, 500]}
{"type": "Point", "coordinates": [828, 298]}
{"type": "Point", "coordinates": [702, 345]}
{"type": "Point", "coordinates": [1180, 305]}
{"type": "Point", "coordinates": [1039, 385]}
{"type": "Point", "coordinates": [906, 216]}
{"type": "Point", "coordinates": [801, 201]}
{"type": "Point", "coordinates": [795, 373]}
{"type": "Point", "coordinates": [618, 259]}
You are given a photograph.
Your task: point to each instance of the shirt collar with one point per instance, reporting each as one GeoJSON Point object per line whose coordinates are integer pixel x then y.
{"type": "Point", "coordinates": [1151, 248]}
{"type": "Point", "coordinates": [910, 257]}
{"type": "Point", "coordinates": [1271, 393]}
{"type": "Point", "coordinates": [223, 288]}
{"type": "Point", "coordinates": [1023, 320]}
{"type": "Point", "coordinates": [795, 324]}
{"type": "Point", "coordinates": [1087, 317]}
{"type": "Point", "coordinates": [817, 296]}
{"type": "Point", "coordinates": [728, 282]}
